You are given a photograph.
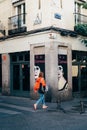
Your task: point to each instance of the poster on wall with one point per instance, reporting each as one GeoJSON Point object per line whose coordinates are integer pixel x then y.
{"type": "Point", "coordinates": [62, 72]}
{"type": "Point", "coordinates": [39, 65]}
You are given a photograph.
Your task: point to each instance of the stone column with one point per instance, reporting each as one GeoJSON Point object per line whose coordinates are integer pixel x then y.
{"type": "Point", "coordinates": [32, 95]}
{"type": "Point", "coordinates": [35, 49]}
{"type": "Point", "coordinates": [5, 74]}
{"type": "Point", "coordinates": [51, 64]}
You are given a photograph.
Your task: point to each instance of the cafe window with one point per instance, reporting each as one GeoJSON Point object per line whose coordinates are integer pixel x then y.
{"type": "Point", "coordinates": [39, 4]}
{"type": "Point", "coordinates": [20, 56]}
{"type": "Point", "coordinates": [79, 56]}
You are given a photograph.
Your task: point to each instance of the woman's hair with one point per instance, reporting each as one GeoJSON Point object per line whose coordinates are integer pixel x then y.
{"type": "Point", "coordinates": [41, 74]}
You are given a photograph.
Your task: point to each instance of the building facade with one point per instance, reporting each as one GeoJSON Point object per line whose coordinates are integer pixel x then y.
{"type": "Point", "coordinates": [40, 35]}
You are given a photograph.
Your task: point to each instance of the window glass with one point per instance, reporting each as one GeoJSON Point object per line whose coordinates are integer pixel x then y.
{"type": "Point", "coordinates": [21, 14]}
{"type": "Point", "coordinates": [75, 78]}
{"type": "Point", "coordinates": [79, 56]}
{"type": "Point", "coordinates": [14, 58]}
{"type": "Point", "coordinates": [73, 57]}
{"type": "Point", "coordinates": [27, 57]}
{"type": "Point", "coordinates": [20, 57]}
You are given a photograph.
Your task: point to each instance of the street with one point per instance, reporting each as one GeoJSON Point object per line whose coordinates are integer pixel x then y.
{"type": "Point", "coordinates": [18, 114]}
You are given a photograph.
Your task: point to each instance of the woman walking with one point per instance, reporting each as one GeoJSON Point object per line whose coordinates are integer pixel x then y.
{"type": "Point", "coordinates": [40, 87]}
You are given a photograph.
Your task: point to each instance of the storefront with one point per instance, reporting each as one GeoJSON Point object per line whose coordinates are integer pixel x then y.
{"type": "Point", "coordinates": [64, 68]}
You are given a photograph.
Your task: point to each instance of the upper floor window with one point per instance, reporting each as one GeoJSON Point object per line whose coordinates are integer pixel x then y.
{"type": "Point", "coordinates": [15, 1]}
{"type": "Point", "coordinates": [39, 4]}
{"type": "Point", "coordinates": [80, 18]}
{"type": "Point", "coordinates": [21, 9]}
{"type": "Point", "coordinates": [61, 3]}
{"type": "Point", "coordinates": [20, 12]}
{"type": "Point", "coordinates": [18, 20]}
{"type": "Point", "coordinates": [77, 7]}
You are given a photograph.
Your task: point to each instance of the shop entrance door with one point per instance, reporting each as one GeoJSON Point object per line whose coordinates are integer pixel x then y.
{"type": "Point", "coordinates": [21, 79]}
{"type": "Point", "coordinates": [0, 74]}
{"type": "Point", "coordinates": [83, 77]}
{"type": "Point", "coordinates": [79, 78]}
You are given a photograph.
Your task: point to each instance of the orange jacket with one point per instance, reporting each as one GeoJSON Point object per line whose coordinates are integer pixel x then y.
{"type": "Point", "coordinates": [37, 83]}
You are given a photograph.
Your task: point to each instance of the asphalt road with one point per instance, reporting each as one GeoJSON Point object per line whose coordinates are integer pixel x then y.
{"type": "Point", "coordinates": [18, 114]}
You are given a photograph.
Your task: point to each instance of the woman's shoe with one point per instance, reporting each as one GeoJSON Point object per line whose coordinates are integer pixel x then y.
{"type": "Point", "coordinates": [35, 106]}
{"type": "Point", "coordinates": [44, 107]}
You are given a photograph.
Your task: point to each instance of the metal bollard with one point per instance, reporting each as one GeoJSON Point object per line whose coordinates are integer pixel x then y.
{"type": "Point", "coordinates": [82, 110]}
{"type": "Point", "coordinates": [58, 104]}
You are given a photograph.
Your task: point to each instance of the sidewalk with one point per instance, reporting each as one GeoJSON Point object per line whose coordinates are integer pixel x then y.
{"type": "Point", "coordinates": [73, 105]}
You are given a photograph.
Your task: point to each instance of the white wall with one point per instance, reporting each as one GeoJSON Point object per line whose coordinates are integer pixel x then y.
{"type": "Point", "coordinates": [46, 13]}
{"type": "Point", "coordinates": [5, 12]}
{"type": "Point", "coordinates": [23, 43]}
{"type": "Point", "coordinates": [66, 12]}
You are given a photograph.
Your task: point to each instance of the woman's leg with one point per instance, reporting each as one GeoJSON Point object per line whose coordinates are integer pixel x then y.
{"type": "Point", "coordinates": [43, 99]}
{"type": "Point", "coordinates": [40, 100]}
{"type": "Point", "coordinates": [43, 102]}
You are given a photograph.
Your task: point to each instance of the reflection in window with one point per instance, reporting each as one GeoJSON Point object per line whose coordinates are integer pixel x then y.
{"type": "Point", "coordinates": [75, 78]}
{"type": "Point", "coordinates": [75, 71]}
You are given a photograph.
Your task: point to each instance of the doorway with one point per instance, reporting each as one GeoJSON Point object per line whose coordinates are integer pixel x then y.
{"type": "Point", "coordinates": [0, 74]}
{"type": "Point", "coordinates": [79, 74]}
{"type": "Point", "coordinates": [20, 76]}
{"type": "Point", "coordinates": [79, 78]}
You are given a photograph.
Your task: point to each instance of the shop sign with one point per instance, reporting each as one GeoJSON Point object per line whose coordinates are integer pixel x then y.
{"type": "Point", "coordinates": [57, 16]}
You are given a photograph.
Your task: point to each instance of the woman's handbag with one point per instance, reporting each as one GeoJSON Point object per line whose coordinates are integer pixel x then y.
{"type": "Point", "coordinates": [41, 88]}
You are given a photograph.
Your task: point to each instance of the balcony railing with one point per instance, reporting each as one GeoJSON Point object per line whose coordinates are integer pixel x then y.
{"type": "Point", "coordinates": [14, 1]}
{"type": "Point", "coordinates": [80, 18]}
{"type": "Point", "coordinates": [2, 30]}
{"type": "Point", "coordinates": [16, 23]}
